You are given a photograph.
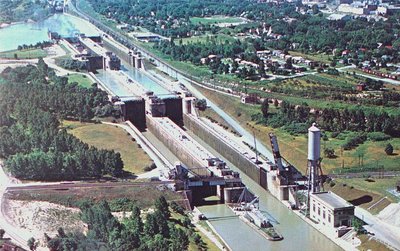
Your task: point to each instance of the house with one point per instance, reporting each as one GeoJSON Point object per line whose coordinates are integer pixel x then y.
{"type": "Point", "coordinates": [345, 52]}
{"type": "Point", "coordinates": [251, 98]}
{"type": "Point", "coordinates": [331, 212]}
{"type": "Point", "coordinates": [361, 87]}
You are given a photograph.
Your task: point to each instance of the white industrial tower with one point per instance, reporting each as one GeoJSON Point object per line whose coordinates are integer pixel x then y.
{"type": "Point", "coordinates": [314, 171]}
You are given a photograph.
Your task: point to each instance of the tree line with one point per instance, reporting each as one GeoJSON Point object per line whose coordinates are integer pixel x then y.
{"type": "Point", "coordinates": [157, 232]}
{"type": "Point", "coordinates": [32, 102]}
{"type": "Point", "coordinates": [331, 119]}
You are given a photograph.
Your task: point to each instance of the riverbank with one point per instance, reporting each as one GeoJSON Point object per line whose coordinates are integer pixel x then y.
{"type": "Point", "coordinates": [7, 24]}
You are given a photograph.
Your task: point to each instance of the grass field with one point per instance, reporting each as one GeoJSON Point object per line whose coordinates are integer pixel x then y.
{"type": "Point", "coordinates": [370, 244]}
{"type": "Point", "coordinates": [81, 79]}
{"type": "Point", "coordinates": [113, 138]}
{"type": "Point", "coordinates": [362, 197]}
{"type": "Point", "coordinates": [218, 38]}
{"type": "Point", "coordinates": [24, 54]}
{"type": "Point", "coordinates": [144, 196]}
{"type": "Point", "coordinates": [215, 20]}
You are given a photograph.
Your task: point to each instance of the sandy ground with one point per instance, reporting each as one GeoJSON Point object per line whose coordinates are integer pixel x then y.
{"type": "Point", "coordinates": [391, 214]}
{"type": "Point", "coordinates": [43, 217]}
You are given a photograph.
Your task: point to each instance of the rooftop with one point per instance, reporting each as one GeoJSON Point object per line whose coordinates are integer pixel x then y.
{"type": "Point", "coordinates": [332, 200]}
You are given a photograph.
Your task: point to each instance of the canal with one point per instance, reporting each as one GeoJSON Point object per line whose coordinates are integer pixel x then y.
{"type": "Point", "coordinates": [297, 233]}
{"type": "Point", "coordinates": [32, 33]}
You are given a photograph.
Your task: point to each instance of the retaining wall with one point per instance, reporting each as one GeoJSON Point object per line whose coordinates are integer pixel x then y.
{"type": "Point", "coordinates": [232, 155]}
{"type": "Point", "coordinates": [178, 150]}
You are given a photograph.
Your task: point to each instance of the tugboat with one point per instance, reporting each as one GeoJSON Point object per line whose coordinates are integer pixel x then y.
{"type": "Point", "coordinates": [250, 213]}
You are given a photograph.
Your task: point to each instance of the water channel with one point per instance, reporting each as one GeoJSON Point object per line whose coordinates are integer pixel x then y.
{"type": "Point", "coordinates": [297, 233]}
{"type": "Point", "coordinates": [31, 33]}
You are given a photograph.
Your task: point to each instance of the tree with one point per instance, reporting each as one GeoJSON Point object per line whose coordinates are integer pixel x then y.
{"type": "Point", "coordinates": [32, 244]}
{"type": "Point", "coordinates": [179, 240]}
{"type": "Point", "coordinates": [389, 149]}
{"type": "Point", "coordinates": [201, 104]}
{"type": "Point", "coordinates": [161, 205]}
{"type": "Point", "coordinates": [264, 108]}
{"type": "Point", "coordinates": [329, 153]}
{"type": "Point", "coordinates": [2, 232]}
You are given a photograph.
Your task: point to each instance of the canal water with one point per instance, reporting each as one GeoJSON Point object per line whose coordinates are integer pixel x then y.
{"type": "Point", "coordinates": [31, 33]}
{"type": "Point", "coordinates": [297, 233]}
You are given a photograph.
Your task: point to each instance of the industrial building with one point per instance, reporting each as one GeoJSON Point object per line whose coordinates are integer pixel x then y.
{"type": "Point", "coordinates": [331, 212]}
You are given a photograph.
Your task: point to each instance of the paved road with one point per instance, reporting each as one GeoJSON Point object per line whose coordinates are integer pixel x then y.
{"type": "Point", "coordinates": [382, 230]}
{"type": "Point", "coordinates": [18, 235]}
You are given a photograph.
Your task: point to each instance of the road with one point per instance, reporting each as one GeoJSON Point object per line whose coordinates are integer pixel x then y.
{"type": "Point", "coordinates": [383, 231]}
{"type": "Point", "coordinates": [386, 80]}
{"type": "Point", "coordinates": [18, 236]}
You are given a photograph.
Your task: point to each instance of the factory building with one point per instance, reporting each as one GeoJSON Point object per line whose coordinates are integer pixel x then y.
{"type": "Point", "coordinates": [331, 212]}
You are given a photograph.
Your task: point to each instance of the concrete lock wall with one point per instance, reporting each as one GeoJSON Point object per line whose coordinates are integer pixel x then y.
{"type": "Point", "coordinates": [179, 151]}
{"type": "Point", "coordinates": [245, 165]}
{"type": "Point", "coordinates": [121, 54]}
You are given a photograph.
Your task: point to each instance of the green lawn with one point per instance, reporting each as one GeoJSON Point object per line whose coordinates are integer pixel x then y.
{"type": "Point", "coordinates": [379, 186]}
{"type": "Point", "coordinates": [112, 138]}
{"type": "Point", "coordinates": [215, 20]}
{"type": "Point", "coordinates": [218, 38]}
{"type": "Point", "coordinates": [23, 54]}
{"type": "Point", "coordinates": [359, 196]}
{"type": "Point", "coordinates": [81, 79]}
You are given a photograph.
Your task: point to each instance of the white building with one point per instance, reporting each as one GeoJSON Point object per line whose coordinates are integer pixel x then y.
{"type": "Point", "coordinates": [331, 212]}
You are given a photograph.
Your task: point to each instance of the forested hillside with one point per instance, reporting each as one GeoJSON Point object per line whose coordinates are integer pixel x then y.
{"type": "Point", "coordinates": [32, 101]}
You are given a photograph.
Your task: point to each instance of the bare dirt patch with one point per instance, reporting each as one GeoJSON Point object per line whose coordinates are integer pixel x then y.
{"type": "Point", "coordinates": [40, 217]}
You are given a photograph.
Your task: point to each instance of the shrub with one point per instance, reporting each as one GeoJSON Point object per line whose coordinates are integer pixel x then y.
{"type": "Point", "coordinates": [378, 136]}
{"type": "Point", "coordinates": [177, 208]}
{"type": "Point", "coordinates": [389, 149]}
{"type": "Point", "coordinates": [335, 134]}
{"type": "Point", "coordinates": [201, 104]}
{"type": "Point", "coordinates": [354, 141]}
{"type": "Point", "coordinates": [149, 168]}
{"type": "Point", "coordinates": [329, 153]}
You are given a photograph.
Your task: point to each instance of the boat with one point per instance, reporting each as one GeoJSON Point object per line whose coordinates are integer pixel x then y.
{"type": "Point", "coordinates": [250, 213]}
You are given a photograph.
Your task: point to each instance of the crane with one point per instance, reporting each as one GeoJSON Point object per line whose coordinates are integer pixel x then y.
{"type": "Point", "coordinates": [275, 152]}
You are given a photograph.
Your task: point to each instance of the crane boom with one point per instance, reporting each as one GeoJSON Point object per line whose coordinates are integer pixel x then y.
{"type": "Point", "coordinates": [275, 151]}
